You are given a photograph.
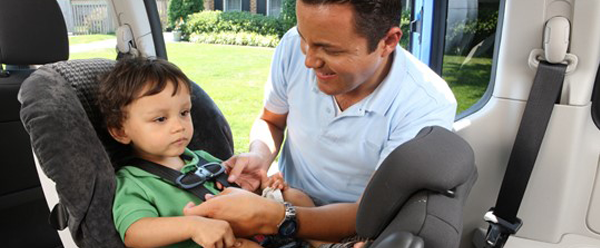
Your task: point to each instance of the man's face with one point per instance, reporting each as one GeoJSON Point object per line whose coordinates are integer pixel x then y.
{"type": "Point", "coordinates": [335, 51]}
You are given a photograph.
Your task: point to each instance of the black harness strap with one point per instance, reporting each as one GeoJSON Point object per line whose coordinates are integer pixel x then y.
{"type": "Point", "coordinates": [193, 181]}
{"type": "Point", "coordinates": [544, 93]}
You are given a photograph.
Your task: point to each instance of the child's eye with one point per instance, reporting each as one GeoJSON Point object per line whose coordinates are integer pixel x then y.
{"type": "Point", "coordinates": [185, 113]}
{"type": "Point", "coordinates": [160, 119]}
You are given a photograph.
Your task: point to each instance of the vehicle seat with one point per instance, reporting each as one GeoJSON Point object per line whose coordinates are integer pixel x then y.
{"type": "Point", "coordinates": [74, 150]}
{"type": "Point", "coordinates": [416, 197]}
{"type": "Point", "coordinates": [32, 32]}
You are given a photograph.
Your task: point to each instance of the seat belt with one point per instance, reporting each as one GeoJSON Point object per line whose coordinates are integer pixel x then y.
{"type": "Point", "coordinates": [192, 181]}
{"type": "Point", "coordinates": [545, 92]}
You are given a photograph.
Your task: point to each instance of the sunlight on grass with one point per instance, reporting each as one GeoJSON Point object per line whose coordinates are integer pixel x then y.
{"type": "Point", "coordinates": [468, 81]}
{"type": "Point", "coordinates": [233, 76]}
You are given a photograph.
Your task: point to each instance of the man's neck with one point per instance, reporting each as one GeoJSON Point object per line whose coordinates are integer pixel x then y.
{"type": "Point", "coordinates": [346, 100]}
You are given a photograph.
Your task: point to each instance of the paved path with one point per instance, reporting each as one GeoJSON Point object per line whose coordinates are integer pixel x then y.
{"type": "Point", "coordinates": [110, 43]}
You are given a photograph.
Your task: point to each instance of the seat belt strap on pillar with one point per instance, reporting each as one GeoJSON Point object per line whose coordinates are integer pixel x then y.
{"type": "Point", "coordinates": [544, 93]}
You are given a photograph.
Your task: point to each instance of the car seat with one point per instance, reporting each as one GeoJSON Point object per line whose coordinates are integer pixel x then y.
{"type": "Point", "coordinates": [74, 150]}
{"type": "Point", "coordinates": [28, 36]}
{"type": "Point", "coordinates": [416, 197]}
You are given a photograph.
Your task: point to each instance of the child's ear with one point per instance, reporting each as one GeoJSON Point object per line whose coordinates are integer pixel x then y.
{"type": "Point", "coordinates": [119, 135]}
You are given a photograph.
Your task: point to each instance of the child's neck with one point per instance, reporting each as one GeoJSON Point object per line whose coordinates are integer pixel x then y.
{"type": "Point", "coordinates": [175, 163]}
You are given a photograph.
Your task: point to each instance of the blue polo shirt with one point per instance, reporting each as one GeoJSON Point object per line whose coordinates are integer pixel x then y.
{"type": "Point", "coordinates": [332, 157]}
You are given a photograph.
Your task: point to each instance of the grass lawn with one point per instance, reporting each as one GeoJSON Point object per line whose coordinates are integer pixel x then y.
{"type": "Point", "coordinates": [82, 39]}
{"type": "Point", "coordinates": [234, 77]}
{"type": "Point", "coordinates": [468, 81]}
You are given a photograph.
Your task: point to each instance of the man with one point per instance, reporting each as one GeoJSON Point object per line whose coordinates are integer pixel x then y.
{"type": "Point", "coordinates": [356, 98]}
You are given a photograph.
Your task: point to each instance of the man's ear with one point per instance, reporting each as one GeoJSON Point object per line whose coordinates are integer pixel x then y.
{"type": "Point", "coordinates": [119, 135]}
{"type": "Point", "coordinates": [390, 40]}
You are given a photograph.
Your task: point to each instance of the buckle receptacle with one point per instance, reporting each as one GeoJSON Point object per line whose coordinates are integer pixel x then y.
{"type": "Point", "coordinates": [499, 229]}
{"type": "Point", "coordinates": [201, 175]}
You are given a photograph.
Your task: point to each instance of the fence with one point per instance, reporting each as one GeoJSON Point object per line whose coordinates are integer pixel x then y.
{"type": "Point", "coordinates": [93, 17]}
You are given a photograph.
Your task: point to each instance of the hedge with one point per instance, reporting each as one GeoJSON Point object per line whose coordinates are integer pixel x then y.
{"type": "Point", "coordinates": [217, 22]}
{"type": "Point", "coordinates": [236, 38]}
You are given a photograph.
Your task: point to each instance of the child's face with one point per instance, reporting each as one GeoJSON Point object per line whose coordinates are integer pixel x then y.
{"type": "Point", "coordinates": [159, 126]}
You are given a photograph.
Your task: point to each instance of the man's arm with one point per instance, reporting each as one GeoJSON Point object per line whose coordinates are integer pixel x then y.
{"type": "Point", "coordinates": [250, 214]}
{"type": "Point", "coordinates": [328, 223]}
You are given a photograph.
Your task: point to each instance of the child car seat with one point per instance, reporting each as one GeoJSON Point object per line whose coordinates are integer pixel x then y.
{"type": "Point", "coordinates": [73, 149]}
{"type": "Point", "coordinates": [415, 198]}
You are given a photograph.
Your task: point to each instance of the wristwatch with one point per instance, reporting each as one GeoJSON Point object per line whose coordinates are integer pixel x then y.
{"type": "Point", "coordinates": [289, 226]}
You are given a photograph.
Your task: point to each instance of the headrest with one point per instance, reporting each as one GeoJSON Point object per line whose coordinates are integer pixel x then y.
{"type": "Point", "coordinates": [32, 32]}
{"type": "Point", "coordinates": [436, 160]}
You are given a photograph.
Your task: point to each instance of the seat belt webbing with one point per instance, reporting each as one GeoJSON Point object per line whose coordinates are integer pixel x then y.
{"type": "Point", "coordinates": [544, 93]}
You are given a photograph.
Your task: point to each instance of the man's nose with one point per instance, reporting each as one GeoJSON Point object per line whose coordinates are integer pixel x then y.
{"type": "Point", "coordinates": [312, 61]}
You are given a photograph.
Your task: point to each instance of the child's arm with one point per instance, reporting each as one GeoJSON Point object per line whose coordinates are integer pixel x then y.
{"type": "Point", "coordinates": [162, 231]}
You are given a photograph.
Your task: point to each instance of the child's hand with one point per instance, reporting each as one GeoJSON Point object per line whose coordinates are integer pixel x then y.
{"type": "Point", "coordinates": [212, 233]}
{"type": "Point", "coordinates": [276, 182]}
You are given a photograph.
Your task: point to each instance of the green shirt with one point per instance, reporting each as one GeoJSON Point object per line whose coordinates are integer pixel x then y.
{"type": "Point", "coordinates": [141, 194]}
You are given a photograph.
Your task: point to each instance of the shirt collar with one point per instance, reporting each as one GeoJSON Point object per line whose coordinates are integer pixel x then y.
{"type": "Point", "coordinates": [381, 99]}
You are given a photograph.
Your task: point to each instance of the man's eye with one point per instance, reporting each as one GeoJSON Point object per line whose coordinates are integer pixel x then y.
{"type": "Point", "coordinates": [160, 119]}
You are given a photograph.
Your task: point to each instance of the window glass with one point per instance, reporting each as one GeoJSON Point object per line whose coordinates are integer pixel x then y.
{"type": "Point", "coordinates": [274, 8]}
{"type": "Point", "coordinates": [233, 5]}
{"type": "Point", "coordinates": [469, 48]}
{"type": "Point", "coordinates": [91, 29]}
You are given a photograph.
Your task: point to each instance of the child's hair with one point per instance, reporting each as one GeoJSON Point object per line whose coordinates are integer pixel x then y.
{"type": "Point", "coordinates": [124, 84]}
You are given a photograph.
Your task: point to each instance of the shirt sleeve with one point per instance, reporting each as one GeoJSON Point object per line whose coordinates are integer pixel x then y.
{"type": "Point", "coordinates": [130, 205]}
{"type": "Point", "coordinates": [275, 95]}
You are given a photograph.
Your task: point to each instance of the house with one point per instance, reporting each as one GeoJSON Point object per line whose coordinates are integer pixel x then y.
{"type": "Point", "coordinates": [265, 7]}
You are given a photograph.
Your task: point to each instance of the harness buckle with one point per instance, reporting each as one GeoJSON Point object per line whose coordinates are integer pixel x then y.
{"type": "Point", "coordinates": [499, 229]}
{"type": "Point", "coordinates": [200, 175]}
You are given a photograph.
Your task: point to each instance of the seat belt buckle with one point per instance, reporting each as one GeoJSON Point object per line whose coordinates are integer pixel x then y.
{"type": "Point", "coordinates": [499, 229]}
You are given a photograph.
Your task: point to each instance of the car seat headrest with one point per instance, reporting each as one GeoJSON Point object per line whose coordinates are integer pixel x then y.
{"type": "Point", "coordinates": [436, 160]}
{"type": "Point", "coordinates": [32, 32]}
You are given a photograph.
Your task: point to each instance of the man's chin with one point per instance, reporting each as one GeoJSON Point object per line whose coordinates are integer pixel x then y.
{"type": "Point", "coordinates": [324, 87]}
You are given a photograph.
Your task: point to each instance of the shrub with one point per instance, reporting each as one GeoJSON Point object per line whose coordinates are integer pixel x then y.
{"type": "Point", "coordinates": [236, 38]}
{"type": "Point", "coordinates": [180, 9]}
{"type": "Point", "coordinates": [288, 14]}
{"type": "Point", "coordinates": [217, 21]}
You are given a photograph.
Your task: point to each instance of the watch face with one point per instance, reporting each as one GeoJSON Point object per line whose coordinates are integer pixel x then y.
{"type": "Point", "coordinates": [288, 228]}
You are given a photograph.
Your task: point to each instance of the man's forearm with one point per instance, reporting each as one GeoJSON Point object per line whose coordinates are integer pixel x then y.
{"type": "Point", "coordinates": [265, 139]}
{"type": "Point", "coordinates": [328, 223]}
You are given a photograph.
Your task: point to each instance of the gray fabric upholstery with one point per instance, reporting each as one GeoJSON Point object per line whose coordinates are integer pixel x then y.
{"type": "Point", "coordinates": [37, 32]}
{"type": "Point", "coordinates": [420, 188]}
{"type": "Point", "coordinates": [75, 150]}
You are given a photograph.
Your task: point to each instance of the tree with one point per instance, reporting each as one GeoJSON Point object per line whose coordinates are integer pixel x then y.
{"type": "Point", "coordinates": [180, 9]}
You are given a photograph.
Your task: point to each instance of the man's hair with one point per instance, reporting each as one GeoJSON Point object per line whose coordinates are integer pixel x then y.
{"type": "Point", "coordinates": [124, 84]}
{"type": "Point", "coordinates": [372, 18]}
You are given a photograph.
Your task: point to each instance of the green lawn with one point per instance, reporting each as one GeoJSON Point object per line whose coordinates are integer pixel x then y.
{"type": "Point", "coordinates": [468, 81]}
{"type": "Point", "coordinates": [234, 77]}
{"type": "Point", "coordinates": [82, 39]}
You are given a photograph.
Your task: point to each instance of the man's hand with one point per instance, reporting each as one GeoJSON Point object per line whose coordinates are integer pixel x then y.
{"type": "Point", "coordinates": [247, 170]}
{"type": "Point", "coordinates": [247, 213]}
